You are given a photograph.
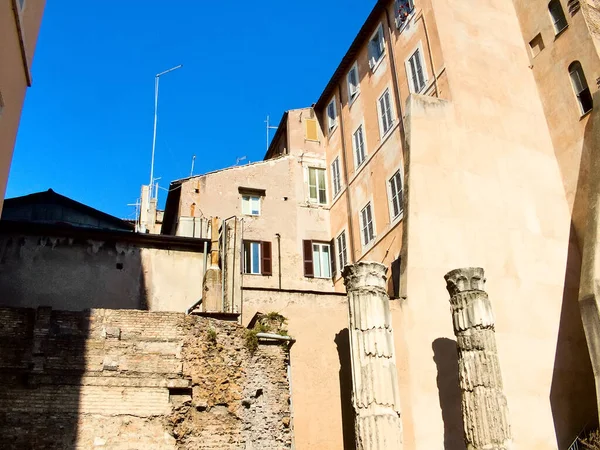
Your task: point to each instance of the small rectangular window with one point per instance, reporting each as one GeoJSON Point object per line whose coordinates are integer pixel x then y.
{"type": "Point", "coordinates": [317, 192]}
{"type": "Point", "coordinates": [331, 115]}
{"type": "Point", "coordinates": [252, 257]}
{"type": "Point", "coordinates": [366, 225]}
{"type": "Point", "coordinates": [341, 250]}
{"type": "Point", "coordinates": [358, 144]}
{"type": "Point", "coordinates": [536, 45]}
{"type": "Point", "coordinates": [353, 83]}
{"type": "Point", "coordinates": [376, 47]}
{"type": "Point", "coordinates": [251, 205]}
{"type": "Point", "coordinates": [402, 11]}
{"type": "Point", "coordinates": [386, 118]}
{"type": "Point", "coordinates": [321, 260]}
{"type": "Point", "coordinates": [312, 133]}
{"type": "Point", "coordinates": [417, 77]}
{"type": "Point", "coordinates": [335, 176]}
{"type": "Point", "coordinates": [395, 184]}
{"type": "Point", "coordinates": [557, 15]}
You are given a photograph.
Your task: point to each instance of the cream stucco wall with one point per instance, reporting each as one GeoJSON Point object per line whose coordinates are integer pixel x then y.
{"type": "Point", "coordinates": [482, 174]}
{"type": "Point", "coordinates": [13, 74]}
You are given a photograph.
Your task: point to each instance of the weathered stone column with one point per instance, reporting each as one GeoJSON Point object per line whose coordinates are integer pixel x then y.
{"type": "Point", "coordinates": [484, 406]}
{"type": "Point", "coordinates": [212, 298]}
{"type": "Point", "coordinates": [375, 388]}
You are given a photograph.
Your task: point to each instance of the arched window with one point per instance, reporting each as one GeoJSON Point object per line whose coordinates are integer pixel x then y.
{"type": "Point", "coordinates": [558, 16]}
{"type": "Point", "coordinates": [580, 87]}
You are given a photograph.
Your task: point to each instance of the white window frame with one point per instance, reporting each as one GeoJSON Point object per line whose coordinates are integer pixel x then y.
{"type": "Point", "coordinates": [247, 201]}
{"type": "Point", "coordinates": [365, 226]}
{"type": "Point", "coordinates": [341, 250]}
{"type": "Point", "coordinates": [357, 163]}
{"type": "Point", "coordinates": [336, 177]}
{"type": "Point", "coordinates": [331, 121]}
{"type": "Point", "coordinates": [391, 185]}
{"type": "Point", "coordinates": [372, 62]}
{"type": "Point", "coordinates": [317, 200]}
{"type": "Point", "coordinates": [582, 80]}
{"type": "Point", "coordinates": [252, 250]}
{"type": "Point", "coordinates": [418, 50]}
{"type": "Point", "coordinates": [411, 7]}
{"type": "Point", "coordinates": [353, 91]}
{"type": "Point", "coordinates": [392, 117]}
{"type": "Point", "coordinates": [322, 261]}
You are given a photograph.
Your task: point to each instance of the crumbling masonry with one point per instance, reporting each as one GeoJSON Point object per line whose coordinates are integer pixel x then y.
{"type": "Point", "coordinates": [484, 406]}
{"type": "Point", "coordinates": [375, 396]}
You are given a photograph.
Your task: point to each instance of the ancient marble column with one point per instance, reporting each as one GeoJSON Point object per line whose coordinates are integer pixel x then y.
{"type": "Point", "coordinates": [375, 392]}
{"type": "Point", "coordinates": [484, 406]}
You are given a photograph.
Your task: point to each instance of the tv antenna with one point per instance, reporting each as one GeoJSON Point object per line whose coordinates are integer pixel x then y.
{"type": "Point", "coordinates": [192, 170]}
{"type": "Point", "coordinates": [269, 127]}
{"type": "Point", "coordinates": [241, 158]}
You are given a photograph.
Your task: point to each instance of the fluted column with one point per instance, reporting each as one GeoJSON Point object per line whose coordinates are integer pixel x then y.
{"type": "Point", "coordinates": [484, 406]}
{"type": "Point", "coordinates": [375, 392]}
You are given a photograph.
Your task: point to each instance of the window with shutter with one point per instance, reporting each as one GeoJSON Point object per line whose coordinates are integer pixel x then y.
{"type": "Point", "coordinates": [331, 115]}
{"type": "Point", "coordinates": [580, 87]}
{"type": "Point", "coordinates": [308, 258]}
{"type": "Point", "coordinates": [395, 186]}
{"type": "Point", "coordinates": [312, 133]}
{"type": "Point", "coordinates": [252, 257]}
{"type": "Point", "coordinates": [321, 260]}
{"type": "Point", "coordinates": [386, 120]}
{"type": "Point", "coordinates": [353, 83]}
{"type": "Point", "coordinates": [415, 68]}
{"type": "Point", "coordinates": [358, 143]}
{"type": "Point", "coordinates": [557, 15]}
{"type": "Point", "coordinates": [366, 224]}
{"type": "Point", "coordinates": [317, 191]}
{"type": "Point", "coordinates": [335, 176]}
{"type": "Point", "coordinates": [341, 250]}
{"type": "Point", "coordinates": [376, 47]}
{"type": "Point", "coordinates": [266, 260]}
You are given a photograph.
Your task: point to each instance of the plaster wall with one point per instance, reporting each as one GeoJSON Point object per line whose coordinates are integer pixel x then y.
{"type": "Point", "coordinates": [76, 274]}
{"type": "Point", "coordinates": [13, 80]}
{"type": "Point", "coordinates": [284, 209]}
{"type": "Point", "coordinates": [569, 130]}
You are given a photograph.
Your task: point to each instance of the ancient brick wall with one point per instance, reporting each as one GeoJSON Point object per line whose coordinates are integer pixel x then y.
{"type": "Point", "coordinates": [123, 379]}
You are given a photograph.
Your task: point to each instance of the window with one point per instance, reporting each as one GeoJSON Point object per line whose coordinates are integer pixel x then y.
{"type": "Point", "coordinates": [358, 143]}
{"type": "Point", "coordinates": [257, 258]}
{"type": "Point", "coordinates": [366, 224]}
{"type": "Point", "coordinates": [580, 87]}
{"type": "Point", "coordinates": [251, 205]}
{"type": "Point", "coordinates": [536, 45]}
{"type": "Point", "coordinates": [573, 6]}
{"type": "Point", "coordinates": [341, 250]}
{"type": "Point", "coordinates": [353, 83]}
{"type": "Point", "coordinates": [316, 186]}
{"type": "Point", "coordinates": [415, 69]}
{"type": "Point", "coordinates": [558, 16]}
{"type": "Point", "coordinates": [335, 176]}
{"type": "Point", "coordinates": [331, 115]}
{"type": "Point", "coordinates": [402, 10]}
{"type": "Point", "coordinates": [385, 113]}
{"type": "Point", "coordinates": [21, 5]}
{"type": "Point", "coordinates": [395, 184]}
{"type": "Point", "coordinates": [318, 261]}
{"type": "Point", "coordinates": [376, 47]}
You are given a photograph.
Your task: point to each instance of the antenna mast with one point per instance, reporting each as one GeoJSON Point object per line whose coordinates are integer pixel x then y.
{"type": "Point", "coordinates": [269, 128]}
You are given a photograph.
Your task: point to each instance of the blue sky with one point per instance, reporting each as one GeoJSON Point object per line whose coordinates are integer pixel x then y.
{"type": "Point", "coordinates": [86, 128]}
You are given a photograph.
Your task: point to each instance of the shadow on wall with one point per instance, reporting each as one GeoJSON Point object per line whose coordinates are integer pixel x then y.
{"type": "Point", "coordinates": [445, 356]}
{"type": "Point", "coordinates": [572, 394]}
{"type": "Point", "coordinates": [42, 360]}
{"type": "Point", "coordinates": [342, 341]}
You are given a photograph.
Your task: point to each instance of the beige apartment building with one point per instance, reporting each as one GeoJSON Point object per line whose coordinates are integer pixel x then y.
{"type": "Point", "coordinates": [452, 134]}
{"type": "Point", "coordinates": [19, 26]}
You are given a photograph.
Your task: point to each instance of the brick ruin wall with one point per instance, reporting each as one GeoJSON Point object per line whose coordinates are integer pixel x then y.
{"type": "Point", "coordinates": [126, 379]}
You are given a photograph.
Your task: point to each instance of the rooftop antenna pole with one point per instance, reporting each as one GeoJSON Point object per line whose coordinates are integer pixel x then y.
{"type": "Point", "coordinates": [156, 79]}
{"type": "Point", "coordinates": [192, 171]}
{"type": "Point", "coordinates": [269, 128]}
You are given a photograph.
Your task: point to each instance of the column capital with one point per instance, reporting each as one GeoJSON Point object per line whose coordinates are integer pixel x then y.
{"type": "Point", "coordinates": [465, 279]}
{"type": "Point", "coordinates": [364, 274]}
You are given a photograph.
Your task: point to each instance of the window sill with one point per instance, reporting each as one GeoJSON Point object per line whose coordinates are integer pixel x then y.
{"type": "Point", "coordinates": [332, 130]}
{"type": "Point", "coordinates": [389, 131]}
{"type": "Point", "coordinates": [251, 215]}
{"type": "Point", "coordinates": [352, 99]}
{"type": "Point", "coordinates": [378, 63]}
{"type": "Point", "coordinates": [585, 114]}
{"type": "Point", "coordinates": [256, 274]}
{"type": "Point", "coordinates": [558, 34]}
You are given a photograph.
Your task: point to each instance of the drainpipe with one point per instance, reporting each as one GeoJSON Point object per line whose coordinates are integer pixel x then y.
{"type": "Point", "coordinates": [348, 202]}
{"type": "Point", "coordinates": [279, 256]}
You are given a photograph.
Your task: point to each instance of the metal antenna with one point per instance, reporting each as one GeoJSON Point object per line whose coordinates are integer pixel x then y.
{"type": "Point", "coordinates": [241, 158]}
{"type": "Point", "coordinates": [192, 170]}
{"type": "Point", "coordinates": [269, 128]}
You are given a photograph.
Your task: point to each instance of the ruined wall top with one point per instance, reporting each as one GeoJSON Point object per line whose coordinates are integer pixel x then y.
{"type": "Point", "coordinates": [364, 274]}
{"type": "Point", "coordinates": [465, 279]}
